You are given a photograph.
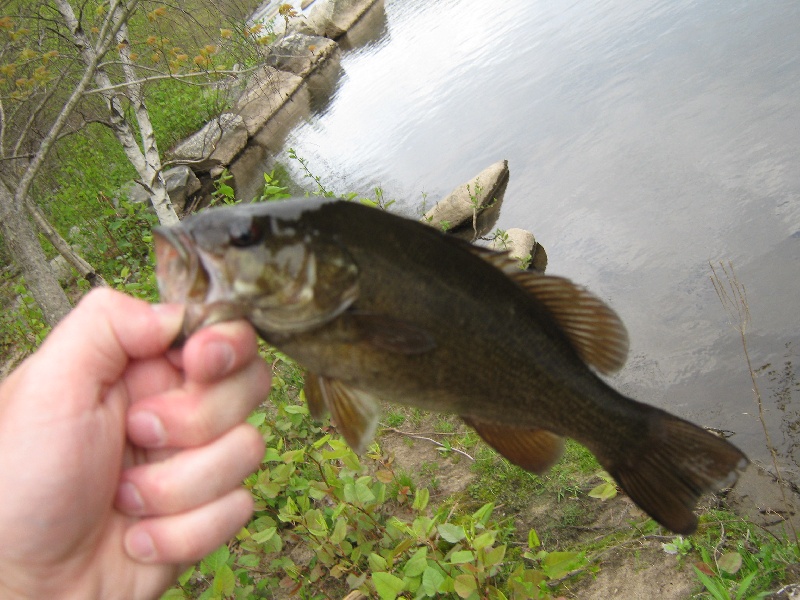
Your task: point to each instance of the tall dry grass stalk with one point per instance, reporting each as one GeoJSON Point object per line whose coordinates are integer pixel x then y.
{"type": "Point", "coordinates": [733, 296]}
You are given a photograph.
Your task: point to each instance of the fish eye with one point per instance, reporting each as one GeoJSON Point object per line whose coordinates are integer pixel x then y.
{"type": "Point", "coordinates": [245, 234]}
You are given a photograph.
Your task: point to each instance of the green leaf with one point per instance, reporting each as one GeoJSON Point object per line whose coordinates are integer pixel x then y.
{"type": "Point", "coordinates": [432, 580]}
{"type": "Point", "coordinates": [387, 585]}
{"type": "Point", "coordinates": [224, 581]}
{"type": "Point", "coordinates": [421, 498]}
{"type": "Point", "coordinates": [339, 531]}
{"type": "Point", "coordinates": [174, 594]}
{"type": "Point", "coordinates": [257, 419]}
{"type": "Point", "coordinates": [451, 533]}
{"type": "Point", "coordinates": [730, 562]}
{"type": "Point", "coordinates": [483, 513]}
{"type": "Point", "coordinates": [462, 556]}
{"type": "Point", "coordinates": [533, 539]}
{"type": "Point", "coordinates": [557, 564]}
{"type": "Point", "coordinates": [487, 538]}
{"type": "Point", "coordinates": [604, 491]}
{"type": "Point", "coordinates": [417, 564]}
{"type": "Point", "coordinates": [465, 585]}
{"type": "Point", "coordinates": [265, 535]}
{"type": "Point", "coordinates": [217, 559]}
{"type": "Point", "coordinates": [186, 575]}
{"type": "Point", "coordinates": [377, 562]}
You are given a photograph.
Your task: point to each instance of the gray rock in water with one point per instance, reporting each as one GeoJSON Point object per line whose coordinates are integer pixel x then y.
{"type": "Point", "coordinates": [217, 143]}
{"type": "Point", "coordinates": [301, 54]}
{"type": "Point", "coordinates": [460, 211]}
{"type": "Point", "coordinates": [522, 245]}
{"type": "Point", "coordinates": [267, 91]}
{"type": "Point", "coordinates": [332, 18]}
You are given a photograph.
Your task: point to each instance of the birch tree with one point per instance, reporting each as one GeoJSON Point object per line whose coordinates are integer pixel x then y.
{"type": "Point", "coordinates": [68, 63]}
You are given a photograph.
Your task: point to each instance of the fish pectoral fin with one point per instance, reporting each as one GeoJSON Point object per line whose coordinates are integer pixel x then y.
{"type": "Point", "coordinates": [389, 334]}
{"type": "Point", "coordinates": [533, 449]}
{"type": "Point", "coordinates": [312, 390]}
{"type": "Point", "coordinates": [594, 329]}
{"type": "Point", "coordinates": [355, 413]}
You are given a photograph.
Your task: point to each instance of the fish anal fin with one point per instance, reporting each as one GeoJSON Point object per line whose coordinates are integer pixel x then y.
{"type": "Point", "coordinates": [389, 334]}
{"type": "Point", "coordinates": [594, 329]}
{"type": "Point", "coordinates": [355, 413]}
{"type": "Point", "coordinates": [534, 450]}
{"type": "Point", "coordinates": [672, 467]}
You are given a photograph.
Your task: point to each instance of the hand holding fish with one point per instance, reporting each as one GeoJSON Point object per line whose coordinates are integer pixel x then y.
{"type": "Point", "coordinates": [120, 459]}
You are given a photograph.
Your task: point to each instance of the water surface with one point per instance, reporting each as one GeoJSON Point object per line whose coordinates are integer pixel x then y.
{"type": "Point", "coordinates": [644, 139]}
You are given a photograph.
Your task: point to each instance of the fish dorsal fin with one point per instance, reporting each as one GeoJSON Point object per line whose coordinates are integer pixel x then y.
{"type": "Point", "coordinates": [533, 449]}
{"type": "Point", "coordinates": [354, 412]}
{"type": "Point", "coordinates": [594, 329]}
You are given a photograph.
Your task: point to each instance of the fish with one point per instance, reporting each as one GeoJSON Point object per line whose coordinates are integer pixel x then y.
{"type": "Point", "coordinates": [378, 307]}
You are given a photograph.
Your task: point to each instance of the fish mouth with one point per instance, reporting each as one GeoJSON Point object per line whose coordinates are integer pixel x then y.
{"type": "Point", "coordinates": [187, 275]}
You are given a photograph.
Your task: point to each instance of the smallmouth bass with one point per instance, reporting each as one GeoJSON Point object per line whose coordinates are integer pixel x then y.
{"type": "Point", "coordinates": [378, 307]}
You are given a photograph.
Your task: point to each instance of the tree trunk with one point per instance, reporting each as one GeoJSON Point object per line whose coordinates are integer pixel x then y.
{"type": "Point", "coordinates": [20, 237]}
{"type": "Point", "coordinates": [83, 268]}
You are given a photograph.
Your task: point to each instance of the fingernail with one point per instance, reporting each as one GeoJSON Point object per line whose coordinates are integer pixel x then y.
{"type": "Point", "coordinates": [146, 429]}
{"type": "Point", "coordinates": [220, 358]}
{"type": "Point", "coordinates": [171, 316]}
{"type": "Point", "coordinates": [140, 546]}
{"type": "Point", "coordinates": [129, 499]}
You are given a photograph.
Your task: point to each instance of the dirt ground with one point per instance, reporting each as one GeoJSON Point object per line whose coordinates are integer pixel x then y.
{"type": "Point", "coordinates": [633, 570]}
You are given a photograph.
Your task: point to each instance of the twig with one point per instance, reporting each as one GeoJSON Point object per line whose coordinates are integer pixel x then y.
{"type": "Point", "coordinates": [431, 440]}
{"type": "Point", "coordinates": [733, 296]}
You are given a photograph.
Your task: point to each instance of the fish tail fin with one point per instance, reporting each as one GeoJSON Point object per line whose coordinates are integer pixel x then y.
{"type": "Point", "coordinates": [672, 467]}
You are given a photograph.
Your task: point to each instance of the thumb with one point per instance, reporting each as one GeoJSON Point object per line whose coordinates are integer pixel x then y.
{"type": "Point", "coordinates": [104, 331]}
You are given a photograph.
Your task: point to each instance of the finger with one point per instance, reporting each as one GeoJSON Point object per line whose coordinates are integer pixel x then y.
{"type": "Point", "coordinates": [216, 351]}
{"type": "Point", "coordinates": [195, 415]}
{"type": "Point", "coordinates": [193, 477]}
{"type": "Point", "coordinates": [189, 536]}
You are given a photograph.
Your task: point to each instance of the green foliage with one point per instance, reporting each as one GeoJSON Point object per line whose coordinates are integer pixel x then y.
{"type": "Point", "coordinates": [328, 521]}
{"type": "Point", "coordinates": [22, 325]}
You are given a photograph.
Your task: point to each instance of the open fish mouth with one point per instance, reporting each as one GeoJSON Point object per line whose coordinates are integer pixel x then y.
{"type": "Point", "coordinates": [187, 275]}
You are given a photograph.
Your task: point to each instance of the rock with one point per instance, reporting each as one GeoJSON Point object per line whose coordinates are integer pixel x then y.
{"type": "Point", "coordinates": [301, 54]}
{"type": "Point", "coordinates": [62, 270]}
{"type": "Point", "coordinates": [181, 183]}
{"type": "Point", "coordinates": [332, 18]}
{"type": "Point", "coordinates": [134, 192]}
{"type": "Point", "coordinates": [217, 143]}
{"type": "Point", "coordinates": [456, 212]}
{"type": "Point", "coordinates": [521, 244]}
{"type": "Point", "coordinates": [267, 91]}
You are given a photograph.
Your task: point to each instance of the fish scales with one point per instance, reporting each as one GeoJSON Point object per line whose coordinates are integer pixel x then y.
{"type": "Point", "coordinates": [381, 308]}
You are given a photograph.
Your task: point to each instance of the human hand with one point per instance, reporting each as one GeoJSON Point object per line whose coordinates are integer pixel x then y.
{"type": "Point", "coordinates": [121, 460]}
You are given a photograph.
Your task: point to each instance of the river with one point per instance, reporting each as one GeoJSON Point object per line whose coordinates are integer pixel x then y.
{"type": "Point", "coordinates": [645, 139]}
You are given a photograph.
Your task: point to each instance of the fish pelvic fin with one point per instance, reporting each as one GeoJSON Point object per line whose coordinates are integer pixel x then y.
{"type": "Point", "coordinates": [669, 471]}
{"type": "Point", "coordinates": [534, 450]}
{"type": "Point", "coordinates": [355, 413]}
{"type": "Point", "coordinates": [594, 329]}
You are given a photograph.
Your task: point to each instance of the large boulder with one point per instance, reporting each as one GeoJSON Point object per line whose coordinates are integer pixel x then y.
{"type": "Point", "coordinates": [267, 91]}
{"type": "Point", "coordinates": [217, 143]}
{"type": "Point", "coordinates": [301, 54]}
{"type": "Point", "coordinates": [332, 18]}
{"type": "Point", "coordinates": [470, 209]}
